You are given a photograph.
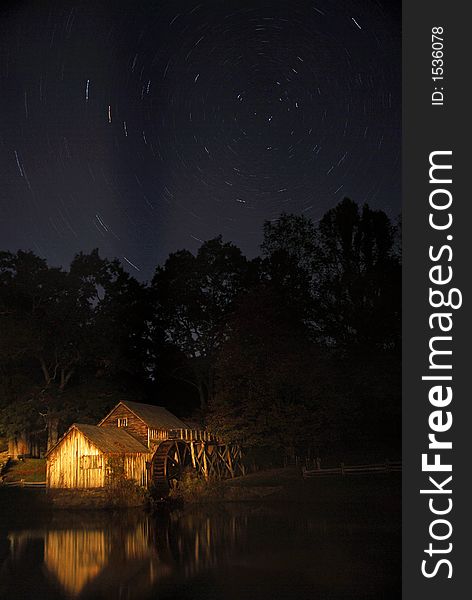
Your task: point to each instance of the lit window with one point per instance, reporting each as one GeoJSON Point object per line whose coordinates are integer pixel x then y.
{"type": "Point", "coordinates": [123, 422]}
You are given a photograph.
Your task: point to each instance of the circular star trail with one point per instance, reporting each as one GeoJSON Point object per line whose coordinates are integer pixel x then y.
{"type": "Point", "coordinates": [142, 128]}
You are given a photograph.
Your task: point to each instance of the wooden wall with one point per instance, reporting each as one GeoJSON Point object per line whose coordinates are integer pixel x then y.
{"type": "Point", "coordinates": [135, 427]}
{"type": "Point", "coordinates": [68, 465]}
{"type": "Point", "coordinates": [63, 464]}
{"type": "Point", "coordinates": [134, 467]}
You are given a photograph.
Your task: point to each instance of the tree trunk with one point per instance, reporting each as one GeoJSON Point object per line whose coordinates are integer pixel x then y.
{"type": "Point", "coordinates": [53, 431]}
{"type": "Point", "coordinates": [203, 397]}
{"type": "Point", "coordinates": [18, 446]}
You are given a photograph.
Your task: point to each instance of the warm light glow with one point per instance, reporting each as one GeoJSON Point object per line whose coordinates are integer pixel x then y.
{"type": "Point", "coordinates": [75, 557]}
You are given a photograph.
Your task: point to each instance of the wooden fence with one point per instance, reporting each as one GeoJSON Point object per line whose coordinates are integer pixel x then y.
{"type": "Point", "coordinates": [385, 467]}
{"type": "Point", "coordinates": [32, 484]}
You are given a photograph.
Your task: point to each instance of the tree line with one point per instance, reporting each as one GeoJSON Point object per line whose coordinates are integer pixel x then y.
{"type": "Point", "coordinates": [294, 351]}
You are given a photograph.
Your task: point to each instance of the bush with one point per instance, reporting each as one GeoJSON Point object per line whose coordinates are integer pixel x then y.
{"type": "Point", "coordinates": [193, 488]}
{"type": "Point", "coordinates": [126, 493]}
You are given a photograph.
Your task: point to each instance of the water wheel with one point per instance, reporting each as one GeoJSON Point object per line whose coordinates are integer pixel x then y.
{"type": "Point", "coordinates": [169, 462]}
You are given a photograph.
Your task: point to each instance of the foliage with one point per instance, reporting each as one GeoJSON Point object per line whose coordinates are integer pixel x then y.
{"type": "Point", "coordinates": [193, 488]}
{"type": "Point", "coordinates": [193, 296]}
{"type": "Point", "coordinates": [125, 493]}
{"type": "Point", "coordinates": [345, 273]}
{"type": "Point", "coordinates": [119, 490]}
{"type": "Point", "coordinates": [296, 350]}
{"type": "Point", "coordinates": [294, 235]}
{"type": "Point", "coordinates": [311, 358]}
{"type": "Point", "coordinates": [358, 277]}
{"type": "Point", "coordinates": [61, 334]}
{"type": "Point", "coordinates": [267, 377]}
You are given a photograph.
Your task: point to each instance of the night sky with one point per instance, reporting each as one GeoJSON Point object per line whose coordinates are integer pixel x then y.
{"type": "Point", "coordinates": [144, 127]}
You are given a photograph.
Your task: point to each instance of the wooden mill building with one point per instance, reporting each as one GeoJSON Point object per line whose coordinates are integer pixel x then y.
{"type": "Point", "coordinates": [140, 442]}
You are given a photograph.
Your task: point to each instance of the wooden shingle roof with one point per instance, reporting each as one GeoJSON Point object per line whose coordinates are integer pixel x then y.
{"type": "Point", "coordinates": [110, 440]}
{"type": "Point", "coordinates": [155, 417]}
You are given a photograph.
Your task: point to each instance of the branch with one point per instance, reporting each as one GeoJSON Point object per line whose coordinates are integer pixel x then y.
{"type": "Point", "coordinates": [184, 379]}
{"type": "Point", "coordinates": [45, 371]}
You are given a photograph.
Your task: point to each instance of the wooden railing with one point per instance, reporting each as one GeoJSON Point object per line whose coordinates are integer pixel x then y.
{"type": "Point", "coordinates": [385, 467]}
{"type": "Point", "coordinates": [189, 435]}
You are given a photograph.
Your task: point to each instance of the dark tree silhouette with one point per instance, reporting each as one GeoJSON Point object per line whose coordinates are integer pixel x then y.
{"type": "Point", "coordinates": [193, 297]}
{"type": "Point", "coordinates": [347, 271]}
{"type": "Point", "coordinates": [268, 377]}
{"type": "Point", "coordinates": [61, 330]}
{"type": "Point", "coordinates": [296, 349]}
{"type": "Point", "coordinates": [358, 277]}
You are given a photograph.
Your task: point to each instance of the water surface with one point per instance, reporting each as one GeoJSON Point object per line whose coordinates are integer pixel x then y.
{"type": "Point", "coordinates": [227, 552]}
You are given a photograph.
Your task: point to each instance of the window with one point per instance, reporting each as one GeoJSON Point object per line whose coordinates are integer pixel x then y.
{"type": "Point", "coordinates": [123, 422]}
{"type": "Point", "coordinates": [90, 462]}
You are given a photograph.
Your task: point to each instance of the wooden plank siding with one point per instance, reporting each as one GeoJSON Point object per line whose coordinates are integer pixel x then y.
{"type": "Point", "coordinates": [63, 465]}
{"type": "Point", "coordinates": [138, 429]}
{"type": "Point", "coordinates": [135, 467]}
{"type": "Point", "coordinates": [135, 427]}
{"type": "Point", "coordinates": [95, 456]}
{"type": "Point", "coordinates": [77, 463]}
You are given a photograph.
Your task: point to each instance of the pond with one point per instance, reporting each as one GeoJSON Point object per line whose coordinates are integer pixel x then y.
{"type": "Point", "coordinates": [231, 551]}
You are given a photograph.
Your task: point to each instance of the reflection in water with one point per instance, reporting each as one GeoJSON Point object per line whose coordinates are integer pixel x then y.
{"type": "Point", "coordinates": [74, 557]}
{"type": "Point", "coordinates": [225, 553]}
{"type": "Point", "coordinates": [126, 555]}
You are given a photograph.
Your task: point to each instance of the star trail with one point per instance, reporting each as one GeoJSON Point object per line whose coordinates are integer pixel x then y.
{"type": "Point", "coordinates": [142, 128]}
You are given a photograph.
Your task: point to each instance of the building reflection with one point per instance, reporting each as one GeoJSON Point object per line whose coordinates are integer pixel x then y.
{"type": "Point", "coordinates": [75, 557]}
{"type": "Point", "coordinates": [128, 555]}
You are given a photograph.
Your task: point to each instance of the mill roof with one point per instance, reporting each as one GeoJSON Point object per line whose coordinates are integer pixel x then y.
{"type": "Point", "coordinates": [155, 417]}
{"type": "Point", "coordinates": [108, 440]}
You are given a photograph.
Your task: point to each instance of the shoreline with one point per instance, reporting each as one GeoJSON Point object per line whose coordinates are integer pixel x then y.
{"type": "Point", "coordinates": [281, 486]}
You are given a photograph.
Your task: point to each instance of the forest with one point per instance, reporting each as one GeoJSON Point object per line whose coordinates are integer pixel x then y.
{"type": "Point", "coordinates": [294, 352]}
